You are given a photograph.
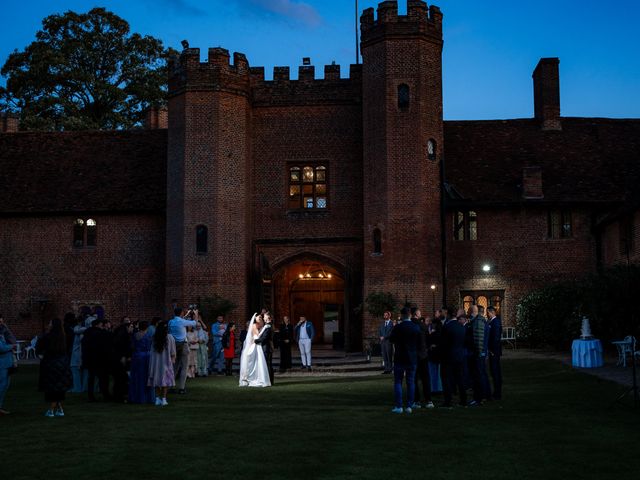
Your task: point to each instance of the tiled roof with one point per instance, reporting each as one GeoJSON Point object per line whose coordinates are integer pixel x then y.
{"type": "Point", "coordinates": [589, 160]}
{"type": "Point", "coordinates": [83, 171]}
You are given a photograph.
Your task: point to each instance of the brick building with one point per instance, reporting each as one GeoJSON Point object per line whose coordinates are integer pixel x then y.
{"type": "Point", "coordinates": [306, 195]}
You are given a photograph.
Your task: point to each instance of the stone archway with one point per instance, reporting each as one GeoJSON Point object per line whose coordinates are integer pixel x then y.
{"type": "Point", "coordinates": [316, 287]}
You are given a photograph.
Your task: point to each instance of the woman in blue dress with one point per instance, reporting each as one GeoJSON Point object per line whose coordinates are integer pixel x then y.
{"type": "Point", "coordinates": [139, 392]}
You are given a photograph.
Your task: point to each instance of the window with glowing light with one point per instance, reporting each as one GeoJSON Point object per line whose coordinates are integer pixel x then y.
{"type": "Point", "coordinates": [85, 233]}
{"type": "Point", "coordinates": [465, 225]}
{"type": "Point", "coordinates": [308, 187]}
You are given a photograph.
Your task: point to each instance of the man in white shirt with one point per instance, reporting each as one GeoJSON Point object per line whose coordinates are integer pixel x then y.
{"type": "Point", "coordinates": [304, 334]}
{"type": "Point", "coordinates": [178, 329]}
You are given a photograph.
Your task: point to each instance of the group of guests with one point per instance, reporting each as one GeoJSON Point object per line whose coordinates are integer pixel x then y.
{"type": "Point", "coordinates": [460, 343]}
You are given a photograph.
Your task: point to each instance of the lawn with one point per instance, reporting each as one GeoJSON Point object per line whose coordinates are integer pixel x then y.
{"type": "Point", "coordinates": [554, 422]}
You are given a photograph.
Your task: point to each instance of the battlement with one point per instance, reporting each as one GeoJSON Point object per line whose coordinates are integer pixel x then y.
{"type": "Point", "coordinates": [419, 20]}
{"type": "Point", "coordinates": [186, 71]}
{"type": "Point", "coordinates": [306, 74]}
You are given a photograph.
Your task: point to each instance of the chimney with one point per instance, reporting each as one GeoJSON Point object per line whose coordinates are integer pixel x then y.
{"type": "Point", "coordinates": [156, 118]}
{"type": "Point", "coordinates": [8, 122]}
{"type": "Point", "coordinates": [546, 93]}
{"type": "Point", "coordinates": [532, 183]}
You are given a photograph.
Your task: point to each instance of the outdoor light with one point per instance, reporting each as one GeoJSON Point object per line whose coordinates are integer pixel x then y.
{"type": "Point", "coordinates": [486, 267]}
{"type": "Point", "coordinates": [433, 287]}
{"type": "Point", "coordinates": [328, 275]}
{"type": "Point", "coordinates": [301, 276]}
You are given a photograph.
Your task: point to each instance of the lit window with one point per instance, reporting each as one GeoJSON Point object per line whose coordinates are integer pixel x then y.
{"type": "Point", "coordinates": [308, 187]}
{"type": "Point", "coordinates": [465, 225]}
{"type": "Point", "coordinates": [78, 233]}
{"type": "Point", "coordinates": [91, 233]}
{"type": "Point", "coordinates": [431, 149]}
{"type": "Point", "coordinates": [559, 224]}
{"type": "Point", "coordinates": [202, 234]}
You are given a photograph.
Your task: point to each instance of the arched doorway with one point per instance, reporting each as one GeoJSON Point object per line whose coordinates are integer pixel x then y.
{"type": "Point", "coordinates": [315, 289]}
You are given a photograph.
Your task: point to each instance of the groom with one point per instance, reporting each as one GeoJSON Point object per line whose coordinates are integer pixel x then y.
{"type": "Point", "coordinates": [265, 340]}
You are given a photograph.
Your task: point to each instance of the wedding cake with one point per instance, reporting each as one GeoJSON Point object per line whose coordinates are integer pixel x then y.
{"type": "Point", "coordinates": [586, 329]}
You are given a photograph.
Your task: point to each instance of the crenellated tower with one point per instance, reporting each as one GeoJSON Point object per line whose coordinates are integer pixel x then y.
{"type": "Point", "coordinates": [208, 177]}
{"type": "Point", "coordinates": [402, 148]}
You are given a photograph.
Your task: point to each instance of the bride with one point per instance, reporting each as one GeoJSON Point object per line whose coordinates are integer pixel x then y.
{"type": "Point", "coordinates": [253, 364]}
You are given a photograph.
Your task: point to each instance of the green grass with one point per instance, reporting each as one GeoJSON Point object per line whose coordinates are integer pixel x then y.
{"type": "Point", "coordinates": [553, 423]}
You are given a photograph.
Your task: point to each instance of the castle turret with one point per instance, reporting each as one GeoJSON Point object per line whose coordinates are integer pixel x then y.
{"type": "Point", "coordinates": [403, 136]}
{"type": "Point", "coordinates": [208, 178]}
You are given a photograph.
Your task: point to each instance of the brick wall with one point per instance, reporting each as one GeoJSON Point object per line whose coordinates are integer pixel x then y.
{"type": "Point", "coordinates": [515, 244]}
{"type": "Point", "coordinates": [124, 272]}
{"type": "Point", "coordinates": [613, 248]}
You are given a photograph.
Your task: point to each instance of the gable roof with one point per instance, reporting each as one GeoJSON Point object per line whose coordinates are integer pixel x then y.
{"type": "Point", "coordinates": [589, 160]}
{"type": "Point", "coordinates": [97, 171]}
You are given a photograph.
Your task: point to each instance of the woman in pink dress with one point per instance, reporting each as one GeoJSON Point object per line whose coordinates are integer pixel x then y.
{"type": "Point", "coordinates": [163, 354]}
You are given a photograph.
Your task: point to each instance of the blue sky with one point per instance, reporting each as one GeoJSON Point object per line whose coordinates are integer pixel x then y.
{"type": "Point", "coordinates": [490, 50]}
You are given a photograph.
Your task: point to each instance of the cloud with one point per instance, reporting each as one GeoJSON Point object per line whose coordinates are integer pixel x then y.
{"type": "Point", "coordinates": [297, 11]}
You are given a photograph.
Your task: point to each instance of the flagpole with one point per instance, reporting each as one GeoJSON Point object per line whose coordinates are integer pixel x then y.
{"type": "Point", "coordinates": [357, 39]}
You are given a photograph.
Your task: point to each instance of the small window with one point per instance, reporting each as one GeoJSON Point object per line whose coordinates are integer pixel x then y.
{"type": "Point", "coordinates": [403, 96]}
{"type": "Point", "coordinates": [308, 187]}
{"type": "Point", "coordinates": [465, 225]}
{"type": "Point", "coordinates": [202, 234]}
{"type": "Point", "coordinates": [559, 224]}
{"type": "Point", "coordinates": [78, 233]}
{"type": "Point", "coordinates": [377, 241]}
{"type": "Point", "coordinates": [431, 149]}
{"type": "Point", "coordinates": [91, 233]}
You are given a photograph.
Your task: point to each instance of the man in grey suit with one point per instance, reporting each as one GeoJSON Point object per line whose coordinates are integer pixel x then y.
{"type": "Point", "coordinates": [385, 344]}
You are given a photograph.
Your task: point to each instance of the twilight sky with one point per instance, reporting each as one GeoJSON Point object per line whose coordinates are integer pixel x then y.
{"type": "Point", "coordinates": [490, 49]}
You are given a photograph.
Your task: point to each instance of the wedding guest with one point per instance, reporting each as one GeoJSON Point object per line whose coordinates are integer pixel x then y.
{"type": "Point", "coordinates": [178, 329]}
{"type": "Point", "coordinates": [405, 338]}
{"type": "Point", "coordinates": [495, 351]}
{"type": "Point", "coordinates": [217, 356]}
{"type": "Point", "coordinates": [435, 330]}
{"type": "Point", "coordinates": [286, 337]}
{"type": "Point", "coordinates": [452, 360]}
{"type": "Point", "coordinates": [203, 353]}
{"type": "Point", "coordinates": [55, 373]}
{"type": "Point", "coordinates": [478, 358]}
{"type": "Point", "coordinates": [422, 365]}
{"type": "Point", "coordinates": [386, 346]}
{"type": "Point", "coordinates": [121, 359]}
{"type": "Point", "coordinates": [229, 346]}
{"type": "Point", "coordinates": [305, 332]}
{"type": "Point", "coordinates": [96, 354]}
{"type": "Point", "coordinates": [192, 340]}
{"type": "Point", "coordinates": [5, 331]}
{"type": "Point", "coordinates": [139, 391]}
{"type": "Point", "coordinates": [6, 363]}
{"type": "Point", "coordinates": [152, 326]}
{"type": "Point", "coordinates": [163, 356]}
{"type": "Point", "coordinates": [79, 374]}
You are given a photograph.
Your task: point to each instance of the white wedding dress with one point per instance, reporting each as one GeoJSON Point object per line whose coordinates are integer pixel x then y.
{"type": "Point", "coordinates": [253, 364]}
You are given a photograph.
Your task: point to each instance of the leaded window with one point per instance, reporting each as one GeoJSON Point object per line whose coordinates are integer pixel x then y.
{"type": "Point", "coordinates": [308, 187]}
{"type": "Point", "coordinates": [465, 225]}
{"type": "Point", "coordinates": [559, 224]}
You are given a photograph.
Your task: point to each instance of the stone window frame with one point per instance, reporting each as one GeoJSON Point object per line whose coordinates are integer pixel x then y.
{"type": "Point", "coordinates": [315, 185]}
{"type": "Point", "coordinates": [465, 225]}
{"type": "Point", "coordinates": [85, 233]}
{"type": "Point", "coordinates": [559, 224]}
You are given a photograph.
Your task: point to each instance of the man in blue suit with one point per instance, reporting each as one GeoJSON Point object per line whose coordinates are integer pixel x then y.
{"type": "Point", "coordinates": [217, 352]}
{"type": "Point", "coordinates": [495, 351]}
{"type": "Point", "coordinates": [304, 333]}
{"type": "Point", "coordinates": [405, 336]}
{"type": "Point", "coordinates": [386, 346]}
{"type": "Point", "coordinates": [453, 358]}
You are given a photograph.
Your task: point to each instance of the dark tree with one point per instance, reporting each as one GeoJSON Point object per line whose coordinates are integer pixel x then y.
{"type": "Point", "coordinates": [85, 71]}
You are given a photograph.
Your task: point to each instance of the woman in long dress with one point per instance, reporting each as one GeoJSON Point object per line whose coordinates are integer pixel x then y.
{"type": "Point", "coordinates": [253, 364]}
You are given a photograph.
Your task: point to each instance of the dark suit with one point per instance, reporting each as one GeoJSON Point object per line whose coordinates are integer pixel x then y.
{"type": "Point", "coordinates": [405, 337]}
{"type": "Point", "coordinates": [97, 348]}
{"type": "Point", "coordinates": [495, 352]}
{"type": "Point", "coordinates": [422, 366]}
{"type": "Point", "coordinates": [286, 337]}
{"type": "Point", "coordinates": [453, 359]}
{"type": "Point", "coordinates": [265, 340]}
{"type": "Point", "coordinates": [386, 346]}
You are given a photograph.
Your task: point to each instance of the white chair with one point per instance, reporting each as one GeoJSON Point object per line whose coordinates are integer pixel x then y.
{"type": "Point", "coordinates": [509, 336]}
{"type": "Point", "coordinates": [625, 347]}
{"type": "Point", "coordinates": [31, 348]}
